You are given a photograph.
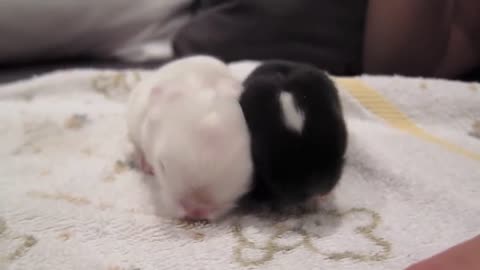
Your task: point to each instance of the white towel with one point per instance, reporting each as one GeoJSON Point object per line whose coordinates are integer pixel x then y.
{"type": "Point", "coordinates": [68, 200]}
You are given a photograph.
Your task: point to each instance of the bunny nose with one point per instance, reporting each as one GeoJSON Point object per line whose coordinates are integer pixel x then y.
{"type": "Point", "coordinates": [195, 211]}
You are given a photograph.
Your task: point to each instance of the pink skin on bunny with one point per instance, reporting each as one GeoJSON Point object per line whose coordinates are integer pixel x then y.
{"type": "Point", "coordinates": [197, 206]}
{"type": "Point", "coordinates": [142, 164]}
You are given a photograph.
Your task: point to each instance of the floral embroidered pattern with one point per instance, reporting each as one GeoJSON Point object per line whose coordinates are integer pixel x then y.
{"type": "Point", "coordinates": [475, 132]}
{"type": "Point", "coordinates": [271, 237]}
{"type": "Point", "coordinates": [474, 86]}
{"type": "Point", "coordinates": [116, 85]}
{"type": "Point", "coordinates": [289, 235]}
{"type": "Point", "coordinates": [22, 243]}
{"type": "Point", "coordinates": [76, 121]}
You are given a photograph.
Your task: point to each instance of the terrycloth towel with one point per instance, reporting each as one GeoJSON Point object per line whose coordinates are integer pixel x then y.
{"type": "Point", "coordinates": [68, 199]}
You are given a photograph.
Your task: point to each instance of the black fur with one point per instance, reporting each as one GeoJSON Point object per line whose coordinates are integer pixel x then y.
{"type": "Point", "coordinates": [290, 168]}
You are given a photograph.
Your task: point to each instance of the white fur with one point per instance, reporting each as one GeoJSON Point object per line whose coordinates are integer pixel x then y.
{"type": "Point", "coordinates": [294, 118]}
{"type": "Point", "coordinates": [242, 69]}
{"type": "Point", "coordinates": [193, 133]}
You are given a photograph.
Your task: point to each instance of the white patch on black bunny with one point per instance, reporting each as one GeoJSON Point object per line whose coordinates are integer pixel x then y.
{"type": "Point", "coordinates": [293, 116]}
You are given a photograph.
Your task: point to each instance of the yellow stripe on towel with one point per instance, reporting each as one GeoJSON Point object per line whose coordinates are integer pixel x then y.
{"type": "Point", "coordinates": [379, 105]}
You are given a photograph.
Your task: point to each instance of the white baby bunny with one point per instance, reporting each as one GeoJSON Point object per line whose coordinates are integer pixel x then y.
{"type": "Point", "coordinates": [188, 129]}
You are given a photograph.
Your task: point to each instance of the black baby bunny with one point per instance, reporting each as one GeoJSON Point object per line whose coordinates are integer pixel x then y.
{"type": "Point", "coordinates": [298, 134]}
